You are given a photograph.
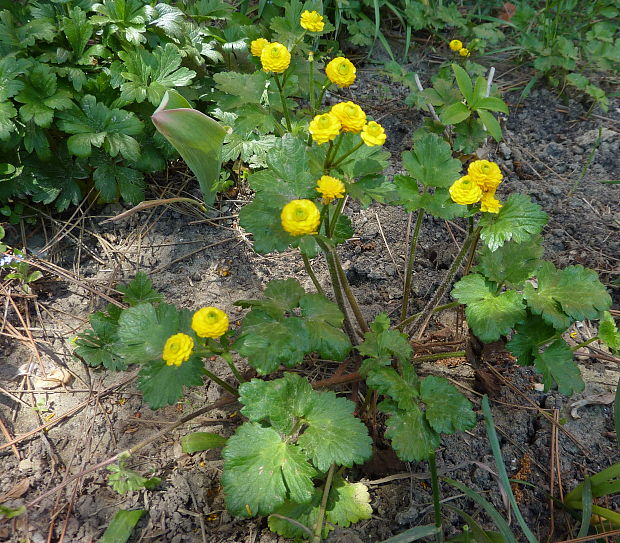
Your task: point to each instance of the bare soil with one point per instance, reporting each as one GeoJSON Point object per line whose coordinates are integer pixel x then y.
{"type": "Point", "coordinates": [198, 260]}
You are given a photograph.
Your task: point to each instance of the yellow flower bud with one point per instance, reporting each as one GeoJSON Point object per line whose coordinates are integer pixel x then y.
{"type": "Point", "coordinates": [257, 46]}
{"type": "Point", "coordinates": [490, 204]}
{"type": "Point", "coordinates": [486, 174]}
{"type": "Point", "coordinates": [324, 127]}
{"type": "Point", "coordinates": [210, 322]}
{"type": "Point", "coordinates": [275, 58]}
{"type": "Point", "coordinates": [300, 217]}
{"type": "Point", "coordinates": [464, 52]}
{"type": "Point", "coordinates": [341, 72]}
{"type": "Point", "coordinates": [351, 116]}
{"type": "Point", "coordinates": [456, 45]}
{"type": "Point", "coordinates": [330, 188]}
{"type": "Point", "coordinates": [373, 134]}
{"type": "Point", "coordinates": [177, 349]}
{"type": "Point", "coordinates": [312, 21]}
{"type": "Point", "coordinates": [465, 191]}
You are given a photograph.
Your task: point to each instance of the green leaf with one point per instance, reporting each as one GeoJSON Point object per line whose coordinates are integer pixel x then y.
{"type": "Point", "coordinates": [529, 338]}
{"type": "Point", "coordinates": [10, 69]}
{"type": "Point", "coordinates": [608, 332]}
{"type": "Point", "coordinates": [489, 315]}
{"type": "Point", "coordinates": [16, 37]}
{"type": "Point", "coordinates": [334, 435]}
{"type": "Point", "coordinates": [412, 437]}
{"type": "Point", "coordinates": [96, 346]}
{"type": "Point", "coordinates": [568, 295]}
{"type": "Point", "coordinates": [179, 125]}
{"type": "Point", "coordinates": [306, 514]}
{"type": "Point", "coordinates": [11, 512]}
{"type": "Point", "coordinates": [492, 104]}
{"type": "Point", "coordinates": [371, 188]}
{"type": "Point", "coordinates": [447, 410]}
{"type": "Point", "coordinates": [97, 125]}
{"type": "Point", "coordinates": [144, 329]}
{"type": "Point", "coordinates": [163, 385]}
{"type": "Point", "coordinates": [439, 204]}
{"type": "Point", "coordinates": [261, 471]}
{"type": "Point", "coordinates": [347, 503]}
{"type": "Point", "coordinates": [78, 30]}
{"type": "Point", "coordinates": [404, 390]}
{"type": "Point", "coordinates": [430, 162]}
{"type": "Point", "coordinates": [7, 112]}
{"type": "Point", "coordinates": [111, 178]}
{"type": "Point", "coordinates": [121, 526]}
{"type": "Point", "coordinates": [382, 343]}
{"type": "Point", "coordinates": [519, 219]}
{"type": "Point", "coordinates": [140, 291]}
{"type": "Point", "coordinates": [464, 82]}
{"type": "Point", "coordinates": [41, 96]}
{"type": "Point", "coordinates": [323, 321]}
{"type": "Point", "coordinates": [248, 88]}
{"type": "Point", "coordinates": [556, 364]}
{"type": "Point", "coordinates": [454, 113]}
{"type": "Point", "coordinates": [149, 75]}
{"type": "Point", "coordinates": [202, 441]}
{"type": "Point", "coordinates": [286, 293]}
{"type": "Point", "coordinates": [511, 263]}
{"type": "Point", "coordinates": [491, 124]}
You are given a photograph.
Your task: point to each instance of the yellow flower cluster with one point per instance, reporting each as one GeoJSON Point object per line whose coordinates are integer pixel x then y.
{"type": "Point", "coordinates": [330, 188]}
{"type": "Point", "coordinates": [210, 322]}
{"type": "Point", "coordinates": [300, 217]}
{"type": "Point", "coordinates": [312, 21]}
{"type": "Point", "coordinates": [457, 47]}
{"type": "Point", "coordinates": [479, 185]}
{"type": "Point", "coordinates": [177, 349]}
{"type": "Point", "coordinates": [340, 71]}
{"type": "Point", "coordinates": [274, 57]}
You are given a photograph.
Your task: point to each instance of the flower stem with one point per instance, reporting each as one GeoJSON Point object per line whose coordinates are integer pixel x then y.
{"type": "Point", "coordinates": [334, 221]}
{"type": "Point", "coordinates": [409, 271]}
{"type": "Point", "coordinates": [283, 100]}
{"type": "Point", "coordinates": [337, 143]}
{"type": "Point", "coordinates": [221, 382]}
{"type": "Point", "coordinates": [426, 313]}
{"type": "Point", "coordinates": [472, 252]}
{"type": "Point", "coordinates": [584, 343]}
{"type": "Point", "coordinates": [346, 155]}
{"type": "Point", "coordinates": [227, 356]}
{"type": "Point", "coordinates": [436, 496]}
{"type": "Point", "coordinates": [437, 309]}
{"type": "Point", "coordinates": [318, 527]}
{"type": "Point", "coordinates": [349, 294]}
{"type": "Point", "coordinates": [311, 274]}
{"type": "Point", "coordinates": [323, 89]}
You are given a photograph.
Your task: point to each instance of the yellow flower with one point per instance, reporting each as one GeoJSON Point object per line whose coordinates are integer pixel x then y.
{"type": "Point", "coordinates": [464, 52]}
{"type": "Point", "coordinates": [210, 322]}
{"type": "Point", "coordinates": [351, 116]}
{"type": "Point", "coordinates": [275, 58]}
{"type": "Point", "coordinates": [456, 45]}
{"type": "Point", "coordinates": [300, 217]}
{"type": "Point", "coordinates": [257, 46]}
{"type": "Point", "coordinates": [489, 204]}
{"type": "Point", "coordinates": [330, 188]}
{"type": "Point", "coordinates": [341, 72]}
{"type": "Point", "coordinates": [324, 127]}
{"type": "Point", "coordinates": [465, 191]}
{"type": "Point", "coordinates": [486, 174]}
{"type": "Point", "coordinates": [312, 21]}
{"type": "Point", "coordinates": [373, 134]}
{"type": "Point", "coordinates": [177, 349]}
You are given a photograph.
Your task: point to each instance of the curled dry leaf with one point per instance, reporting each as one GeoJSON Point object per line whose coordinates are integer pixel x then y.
{"type": "Point", "coordinates": [55, 378]}
{"type": "Point", "coordinates": [17, 491]}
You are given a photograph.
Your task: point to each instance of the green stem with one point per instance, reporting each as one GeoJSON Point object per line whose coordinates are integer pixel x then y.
{"type": "Point", "coordinates": [321, 96]}
{"type": "Point", "coordinates": [346, 155]}
{"type": "Point", "coordinates": [318, 527]}
{"type": "Point", "coordinates": [311, 85]}
{"type": "Point", "coordinates": [283, 100]}
{"type": "Point", "coordinates": [435, 310]}
{"type": "Point", "coordinates": [584, 343]}
{"type": "Point", "coordinates": [222, 383]}
{"type": "Point", "coordinates": [334, 220]}
{"type": "Point", "coordinates": [428, 309]}
{"type": "Point", "coordinates": [349, 294]}
{"type": "Point", "coordinates": [328, 156]}
{"type": "Point", "coordinates": [438, 356]}
{"type": "Point", "coordinates": [325, 218]}
{"type": "Point", "coordinates": [228, 357]}
{"type": "Point", "coordinates": [409, 271]}
{"type": "Point", "coordinates": [311, 274]}
{"type": "Point", "coordinates": [337, 143]}
{"type": "Point", "coordinates": [472, 250]}
{"type": "Point", "coordinates": [436, 496]}
{"type": "Point", "coordinates": [333, 274]}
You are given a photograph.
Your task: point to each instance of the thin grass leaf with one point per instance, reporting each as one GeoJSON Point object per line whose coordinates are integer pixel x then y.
{"type": "Point", "coordinates": [499, 521]}
{"type": "Point", "coordinates": [120, 528]}
{"type": "Point", "coordinates": [501, 469]}
{"type": "Point", "coordinates": [586, 512]}
{"type": "Point", "coordinates": [377, 9]}
{"type": "Point", "coordinates": [479, 534]}
{"type": "Point", "coordinates": [413, 534]}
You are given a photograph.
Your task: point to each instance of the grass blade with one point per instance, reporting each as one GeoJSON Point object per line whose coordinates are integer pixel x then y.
{"type": "Point", "coordinates": [478, 532]}
{"type": "Point", "coordinates": [586, 512]}
{"type": "Point", "coordinates": [123, 523]}
{"type": "Point", "coordinates": [501, 469]}
{"type": "Point", "coordinates": [413, 535]}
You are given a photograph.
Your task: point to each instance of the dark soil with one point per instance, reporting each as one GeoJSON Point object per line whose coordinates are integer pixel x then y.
{"type": "Point", "coordinates": [548, 146]}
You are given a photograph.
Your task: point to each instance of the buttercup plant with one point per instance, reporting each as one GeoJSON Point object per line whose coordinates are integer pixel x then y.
{"type": "Point", "coordinates": [287, 460]}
